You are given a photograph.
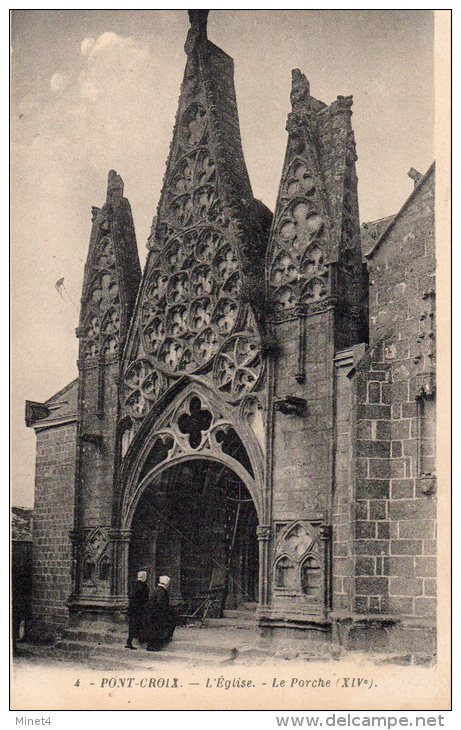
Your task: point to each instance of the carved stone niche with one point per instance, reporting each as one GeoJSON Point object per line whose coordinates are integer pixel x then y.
{"type": "Point", "coordinates": [96, 562]}
{"type": "Point", "coordinates": [299, 568]}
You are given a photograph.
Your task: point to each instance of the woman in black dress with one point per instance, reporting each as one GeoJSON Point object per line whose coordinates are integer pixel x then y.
{"type": "Point", "coordinates": [137, 610]}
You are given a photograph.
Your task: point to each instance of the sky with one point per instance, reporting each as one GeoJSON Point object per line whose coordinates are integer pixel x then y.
{"type": "Point", "coordinates": [94, 90]}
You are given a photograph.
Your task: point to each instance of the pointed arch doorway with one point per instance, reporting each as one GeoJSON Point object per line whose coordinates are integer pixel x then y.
{"type": "Point", "coordinates": [196, 522]}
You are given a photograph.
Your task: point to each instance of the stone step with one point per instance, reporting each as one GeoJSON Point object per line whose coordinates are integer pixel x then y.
{"type": "Point", "coordinates": [238, 613]}
{"type": "Point", "coordinates": [219, 640]}
{"type": "Point", "coordinates": [194, 633]}
{"type": "Point", "coordinates": [231, 623]}
{"type": "Point", "coordinates": [186, 635]}
{"type": "Point", "coordinates": [86, 649]}
{"type": "Point", "coordinates": [250, 606]}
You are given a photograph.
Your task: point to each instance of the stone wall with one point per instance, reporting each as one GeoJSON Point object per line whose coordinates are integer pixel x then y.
{"type": "Point", "coordinates": [53, 519]}
{"type": "Point", "coordinates": [395, 504]}
{"type": "Point", "coordinates": [302, 463]}
{"type": "Point", "coordinates": [373, 467]}
{"type": "Point", "coordinates": [343, 513]}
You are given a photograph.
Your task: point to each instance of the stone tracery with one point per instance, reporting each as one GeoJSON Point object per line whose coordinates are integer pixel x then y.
{"type": "Point", "coordinates": [297, 272]}
{"type": "Point", "coordinates": [298, 564]}
{"type": "Point", "coordinates": [190, 305]}
{"type": "Point", "coordinates": [102, 325]}
{"type": "Point", "coordinates": [191, 301]}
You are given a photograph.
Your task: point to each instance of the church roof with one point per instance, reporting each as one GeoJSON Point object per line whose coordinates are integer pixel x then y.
{"type": "Point", "coordinates": [420, 182]}
{"type": "Point", "coordinates": [62, 406]}
{"type": "Point", "coordinates": [372, 230]}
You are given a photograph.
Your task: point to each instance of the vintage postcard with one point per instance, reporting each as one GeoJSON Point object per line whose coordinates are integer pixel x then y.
{"type": "Point", "coordinates": [230, 347]}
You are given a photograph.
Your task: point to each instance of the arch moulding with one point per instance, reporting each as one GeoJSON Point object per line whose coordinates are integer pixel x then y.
{"type": "Point", "coordinates": [195, 425]}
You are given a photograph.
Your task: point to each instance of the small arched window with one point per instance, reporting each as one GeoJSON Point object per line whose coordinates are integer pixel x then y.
{"type": "Point", "coordinates": [104, 568]}
{"type": "Point", "coordinates": [89, 569]}
{"type": "Point", "coordinates": [311, 577]}
{"type": "Point", "coordinates": [284, 573]}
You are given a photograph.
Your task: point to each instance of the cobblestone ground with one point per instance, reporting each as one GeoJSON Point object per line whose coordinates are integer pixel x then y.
{"type": "Point", "coordinates": [194, 647]}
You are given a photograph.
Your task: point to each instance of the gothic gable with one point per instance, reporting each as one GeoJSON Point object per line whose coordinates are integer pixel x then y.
{"type": "Point", "coordinates": [111, 280]}
{"type": "Point", "coordinates": [206, 249]}
{"type": "Point", "coordinates": [314, 255]}
{"type": "Point", "coordinates": [300, 240]}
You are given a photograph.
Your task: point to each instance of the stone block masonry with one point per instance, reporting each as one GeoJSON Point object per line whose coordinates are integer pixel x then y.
{"type": "Point", "coordinates": [372, 483]}
{"type": "Point", "coordinates": [401, 466]}
{"type": "Point", "coordinates": [53, 520]}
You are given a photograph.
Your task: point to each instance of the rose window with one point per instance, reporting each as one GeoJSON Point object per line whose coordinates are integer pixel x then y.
{"type": "Point", "coordinates": [202, 281]}
{"type": "Point", "coordinates": [225, 316]}
{"type": "Point", "coordinates": [200, 315]}
{"type": "Point", "coordinates": [208, 245]}
{"type": "Point", "coordinates": [156, 289]}
{"type": "Point", "coordinates": [191, 301]}
{"type": "Point", "coordinates": [237, 367]}
{"type": "Point", "coordinates": [232, 286]}
{"type": "Point", "coordinates": [178, 287]}
{"type": "Point", "coordinates": [206, 345]}
{"type": "Point", "coordinates": [142, 386]}
{"type": "Point", "coordinates": [177, 320]}
{"type": "Point", "coordinates": [226, 263]}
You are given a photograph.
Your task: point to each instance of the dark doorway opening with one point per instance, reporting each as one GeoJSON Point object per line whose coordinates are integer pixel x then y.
{"type": "Point", "coordinates": [197, 523]}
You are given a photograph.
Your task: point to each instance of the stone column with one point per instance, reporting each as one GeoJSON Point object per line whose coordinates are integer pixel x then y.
{"type": "Point", "coordinates": [121, 544]}
{"type": "Point", "coordinates": [263, 533]}
{"type": "Point", "coordinates": [76, 539]}
{"type": "Point", "coordinates": [325, 532]}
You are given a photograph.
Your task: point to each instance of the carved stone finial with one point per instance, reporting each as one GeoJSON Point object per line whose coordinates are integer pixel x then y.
{"type": "Point", "coordinates": [197, 30]}
{"type": "Point", "coordinates": [415, 175]}
{"type": "Point", "coordinates": [114, 187]}
{"type": "Point", "coordinates": [300, 90]}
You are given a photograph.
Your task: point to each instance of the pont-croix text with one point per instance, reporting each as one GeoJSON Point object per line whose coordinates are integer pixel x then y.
{"type": "Point", "coordinates": [232, 683]}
